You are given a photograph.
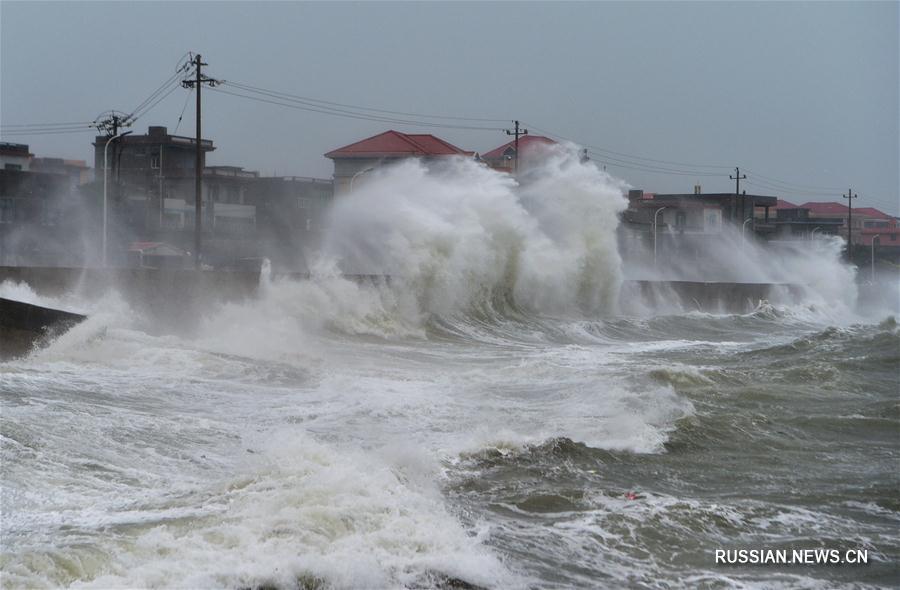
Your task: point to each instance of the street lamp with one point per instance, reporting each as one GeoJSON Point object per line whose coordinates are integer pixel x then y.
{"type": "Point", "coordinates": [812, 235]}
{"type": "Point", "coordinates": [360, 173]}
{"type": "Point", "coordinates": [875, 237]}
{"type": "Point", "coordinates": [654, 234]}
{"type": "Point", "coordinates": [744, 227]}
{"type": "Point", "coordinates": [105, 182]}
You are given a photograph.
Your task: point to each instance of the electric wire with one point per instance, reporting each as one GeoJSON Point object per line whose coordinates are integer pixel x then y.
{"type": "Point", "coordinates": [162, 87]}
{"type": "Point", "coordinates": [135, 116]}
{"type": "Point", "coordinates": [629, 156]}
{"type": "Point", "coordinates": [4, 133]}
{"type": "Point", "coordinates": [793, 184]}
{"type": "Point", "coordinates": [320, 102]}
{"type": "Point", "coordinates": [359, 116]}
{"type": "Point", "coordinates": [39, 125]}
{"type": "Point", "coordinates": [186, 99]}
{"type": "Point", "coordinates": [619, 163]}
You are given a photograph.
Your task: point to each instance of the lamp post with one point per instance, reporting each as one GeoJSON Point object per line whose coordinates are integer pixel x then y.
{"type": "Point", "coordinates": [743, 228]}
{"type": "Point", "coordinates": [360, 173]}
{"type": "Point", "coordinates": [812, 235]}
{"type": "Point", "coordinates": [875, 237]}
{"type": "Point", "coordinates": [105, 182]}
{"type": "Point", "coordinates": [654, 234]}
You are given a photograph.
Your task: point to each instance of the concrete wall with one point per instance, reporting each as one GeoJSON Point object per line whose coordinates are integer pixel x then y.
{"type": "Point", "coordinates": [180, 297]}
{"type": "Point", "coordinates": [177, 298]}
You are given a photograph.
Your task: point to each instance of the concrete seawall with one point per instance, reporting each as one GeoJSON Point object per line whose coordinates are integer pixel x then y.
{"type": "Point", "coordinates": [178, 295]}
{"type": "Point", "coordinates": [23, 325]}
{"type": "Point", "coordinates": [707, 297]}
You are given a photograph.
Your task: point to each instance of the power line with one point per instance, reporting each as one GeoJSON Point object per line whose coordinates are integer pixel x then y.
{"type": "Point", "coordinates": [170, 81]}
{"type": "Point", "coordinates": [359, 116]}
{"type": "Point", "coordinates": [320, 102]}
{"type": "Point", "coordinates": [629, 156]}
{"type": "Point", "coordinates": [137, 115]}
{"type": "Point", "coordinates": [619, 163]}
{"type": "Point", "coordinates": [752, 181]}
{"type": "Point", "coordinates": [4, 133]}
{"type": "Point", "coordinates": [794, 184]}
{"type": "Point", "coordinates": [186, 99]}
{"type": "Point", "coordinates": [38, 125]}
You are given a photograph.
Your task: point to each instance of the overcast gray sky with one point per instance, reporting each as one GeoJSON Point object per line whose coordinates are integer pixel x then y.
{"type": "Point", "coordinates": [799, 95]}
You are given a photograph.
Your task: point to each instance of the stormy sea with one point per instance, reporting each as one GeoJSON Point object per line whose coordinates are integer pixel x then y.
{"type": "Point", "coordinates": [499, 413]}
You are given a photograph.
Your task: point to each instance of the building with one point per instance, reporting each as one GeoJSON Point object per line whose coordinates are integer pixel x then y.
{"type": "Point", "coordinates": [797, 224]}
{"type": "Point", "coordinates": [77, 171]}
{"type": "Point", "coordinates": [872, 223]}
{"type": "Point", "coordinates": [687, 225]}
{"type": "Point", "coordinates": [698, 212]}
{"type": "Point", "coordinates": [356, 159]}
{"type": "Point", "coordinates": [867, 222]}
{"type": "Point", "coordinates": [43, 221]}
{"type": "Point", "coordinates": [148, 174]}
{"type": "Point", "coordinates": [503, 158]}
{"type": "Point", "coordinates": [246, 217]}
{"type": "Point", "coordinates": [15, 156]}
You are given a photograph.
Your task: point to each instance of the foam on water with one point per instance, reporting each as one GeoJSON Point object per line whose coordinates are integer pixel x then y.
{"type": "Point", "coordinates": [309, 436]}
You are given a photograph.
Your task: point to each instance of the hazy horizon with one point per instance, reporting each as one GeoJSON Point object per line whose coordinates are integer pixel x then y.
{"type": "Point", "coordinates": [801, 96]}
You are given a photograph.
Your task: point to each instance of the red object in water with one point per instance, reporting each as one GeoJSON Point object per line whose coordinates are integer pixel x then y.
{"type": "Point", "coordinates": [630, 496]}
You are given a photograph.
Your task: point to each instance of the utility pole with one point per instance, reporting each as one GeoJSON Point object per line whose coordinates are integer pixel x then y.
{"type": "Point", "coordinates": [850, 196]}
{"type": "Point", "coordinates": [197, 83]}
{"type": "Point", "coordinates": [111, 125]}
{"type": "Point", "coordinates": [737, 178]}
{"type": "Point", "coordinates": [517, 133]}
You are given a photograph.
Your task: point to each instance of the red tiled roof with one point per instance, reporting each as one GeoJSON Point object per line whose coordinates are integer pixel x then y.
{"type": "Point", "coordinates": [525, 142]}
{"type": "Point", "coordinates": [871, 212]}
{"type": "Point", "coordinates": [782, 204]}
{"type": "Point", "coordinates": [823, 208]}
{"type": "Point", "coordinates": [831, 208]}
{"type": "Point", "coordinates": [395, 144]}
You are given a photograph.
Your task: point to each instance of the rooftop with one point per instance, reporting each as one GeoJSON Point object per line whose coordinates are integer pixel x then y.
{"type": "Point", "coordinates": [526, 142]}
{"type": "Point", "coordinates": [393, 144]}
{"type": "Point", "coordinates": [157, 135]}
{"type": "Point", "coordinates": [832, 208]}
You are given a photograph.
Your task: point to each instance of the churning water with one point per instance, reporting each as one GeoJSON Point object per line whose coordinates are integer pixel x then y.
{"type": "Point", "coordinates": [491, 417]}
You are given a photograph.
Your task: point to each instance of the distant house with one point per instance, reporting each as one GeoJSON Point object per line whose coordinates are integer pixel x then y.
{"type": "Point", "coordinates": [41, 218]}
{"type": "Point", "coordinates": [15, 156]}
{"type": "Point", "coordinates": [867, 222]}
{"type": "Point", "coordinates": [356, 159]}
{"type": "Point", "coordinates": [77, 171]}
{"type": "Point", "coordinates": [503, 158]}
{"type": "Point", "coordinates": [696, 213]}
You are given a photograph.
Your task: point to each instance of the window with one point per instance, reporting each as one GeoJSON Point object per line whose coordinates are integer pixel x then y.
{"type": "Point", "coordinates": [12, 167]}
{"type": "Point", "coordinates": [49, 213]}
{"type": "Point", "coordinates": [154, 161]}
{"type": "Point", "coordinates": [712, 220]}
{"type": "Point", "coordinates": [6, 210]}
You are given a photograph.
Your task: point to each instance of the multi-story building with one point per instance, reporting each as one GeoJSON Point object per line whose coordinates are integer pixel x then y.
{"type": "Point", "coordinates": [43, 219]}
{"type": "Point", "coordinates": [15, 156]}
{"type": "Point", "coordinates": [867, 222]}
{"type": "Point", "coordinates": [152, 185]}
{"type": "Point", "coordinates": [681, 224]}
